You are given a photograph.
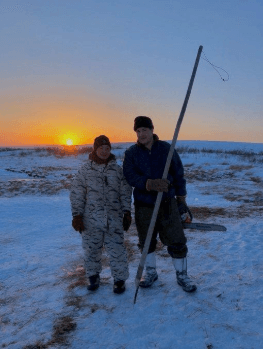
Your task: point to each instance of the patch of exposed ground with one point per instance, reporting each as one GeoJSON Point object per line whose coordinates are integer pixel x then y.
{"type": "Point", "coordinates": [205, 212]}
{"type": "Point", "coordinates": [201, 175]}
{"type": "Point", "coordinates": [254, 199]}
{"type": "Point", "coordinates": [250, 156]}
{"type": "Point", "coordinates": [40, 171]}
{"type": "Point", "coordinates": [240, 167]}
{"type": "Point", "coordinates": [33, 187]}
{"type": "Point", "coordinates": [242, 211]}
{"type": "Point", "coordinates": [76, 277]}
{"type": "Point", "coordinates": [61, 329]}
{"type": "Point", "coordinates": [131, 250]}
{"type": "Point", "coordinates": [257, 180]}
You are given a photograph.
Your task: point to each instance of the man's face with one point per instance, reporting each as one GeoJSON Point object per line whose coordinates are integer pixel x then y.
{"type": "Point", "coordinates": [144, 135]}
{"type": "Point", "coordinates": [103, 152]}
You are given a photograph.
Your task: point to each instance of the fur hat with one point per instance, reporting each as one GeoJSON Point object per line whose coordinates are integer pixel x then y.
{"type": "Point", "coordinates": [142, 121]}
{"type": "Point", "coordinates": [101, 140]}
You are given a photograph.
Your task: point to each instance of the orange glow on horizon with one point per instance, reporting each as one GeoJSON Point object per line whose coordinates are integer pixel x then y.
{"type": "Point", "coordinates": [78, 121]}
{"type": "Point", "coordinates": [15, 139]}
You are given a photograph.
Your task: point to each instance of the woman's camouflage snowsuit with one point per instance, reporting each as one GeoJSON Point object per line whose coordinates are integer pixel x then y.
{"type": "Point", "coordinates": [101, 195]}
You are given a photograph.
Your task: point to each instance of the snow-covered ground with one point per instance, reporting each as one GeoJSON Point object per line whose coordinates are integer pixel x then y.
{"type": "Point", "coordinates": [43, 296]}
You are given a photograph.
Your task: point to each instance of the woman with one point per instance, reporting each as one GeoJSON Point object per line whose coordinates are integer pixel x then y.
{"type": "Point", "coordinates": [101, 203]}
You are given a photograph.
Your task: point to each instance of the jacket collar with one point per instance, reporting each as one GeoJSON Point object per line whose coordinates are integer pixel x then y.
{"type": "Point", "coordinates": [96, 159]}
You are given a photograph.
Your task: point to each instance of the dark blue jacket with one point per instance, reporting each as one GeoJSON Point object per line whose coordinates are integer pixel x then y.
{"type": "Point", "coordinates": [141, 164]}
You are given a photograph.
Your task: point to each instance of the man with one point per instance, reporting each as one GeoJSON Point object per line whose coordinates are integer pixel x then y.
{"type": "Point", "coordinates": [143, 168]}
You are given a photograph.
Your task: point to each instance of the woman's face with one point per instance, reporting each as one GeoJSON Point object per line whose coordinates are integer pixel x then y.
{"type": "Point", "coordinates": [103, 152]}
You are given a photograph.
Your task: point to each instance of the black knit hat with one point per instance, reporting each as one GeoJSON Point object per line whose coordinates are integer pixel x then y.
{"type": "Point", "coordinates": [143, 121]}
{"type": "Point", "coordinates": [101, 140]}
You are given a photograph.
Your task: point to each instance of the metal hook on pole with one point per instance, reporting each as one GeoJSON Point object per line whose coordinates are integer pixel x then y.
{"type": "Point", "coordinates": [165, 174]}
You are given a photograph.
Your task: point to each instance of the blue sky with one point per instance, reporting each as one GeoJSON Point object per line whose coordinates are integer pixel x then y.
{"type": "Point", "coordinates": [90, 67]}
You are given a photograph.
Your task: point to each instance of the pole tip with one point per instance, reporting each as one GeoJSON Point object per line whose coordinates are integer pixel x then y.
{"type": "Point", "coordinates": [135, 297]}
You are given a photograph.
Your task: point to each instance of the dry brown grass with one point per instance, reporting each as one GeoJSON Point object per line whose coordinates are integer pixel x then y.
{"type": "Point", "coordinates": [242, 154]}
{"type": "Point", "coordinates": [76, 277]}
{"type": "Point", "coordinates": [37, 345]}
{"type": "Point", "coordinates": [94, 307]}
{"type": "Point", "coordinates": [201, 175]}
{"type": "Point", "coordinates": [131, 250]}
{"type": "Point", "coordinates": [240, 167]}
{"type": "Point", "coordinates": [253, 199]}
{"type": "Point", "coordinates": [68, 150]}
{"type": "Point", "coordinates": [75, 302]}
{"type": "Point", "coordinates": [34, 187]}
{"type": "Point", "coordinates": [205, 212]}
{"type": "Point", "coordinates": [161, 250]}
{"type": "Point", "coordinates": [248, 211]}
{"type": "Point", "coordinates": [61, 328]}
{"type": "Point", "coordinates": [257, 180]}
{"type": "Point", "coordinates": [242, 211]}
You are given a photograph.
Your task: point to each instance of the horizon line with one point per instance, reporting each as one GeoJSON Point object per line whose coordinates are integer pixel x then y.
{"type": "Point", "coordinates": [91, 144]}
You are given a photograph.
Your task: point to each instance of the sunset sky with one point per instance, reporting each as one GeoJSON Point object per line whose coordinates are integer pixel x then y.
{"type": "Point", "coordinates": [72, 70]}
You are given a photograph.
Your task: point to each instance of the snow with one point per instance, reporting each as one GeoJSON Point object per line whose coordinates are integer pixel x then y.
{"type": "Point", "coordinates": [42, 282]}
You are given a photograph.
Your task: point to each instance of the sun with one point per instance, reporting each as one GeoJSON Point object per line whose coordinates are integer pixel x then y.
{"type": "Point", "coordinates": [69, 139]}
{"type": "Point", "coordinates": [69, 142]}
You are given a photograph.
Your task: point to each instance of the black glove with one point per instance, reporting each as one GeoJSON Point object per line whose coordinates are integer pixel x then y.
{"type": "Point", "coordinates": [77, 223]}
{"type": "Point", "coordinates": [184, 211]}
{"type": "Point", "coordinates": [127, 219]}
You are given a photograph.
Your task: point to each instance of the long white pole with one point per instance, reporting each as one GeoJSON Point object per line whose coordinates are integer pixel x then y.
{"type": "Point", "coordinates": [165, 174]}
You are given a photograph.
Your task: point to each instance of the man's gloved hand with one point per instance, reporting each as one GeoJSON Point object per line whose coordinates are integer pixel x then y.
{"type": "Point", "coordinates": [185, 212]}
{"type": "Point", "coordinates": [77, 223]}
{"type": "Point", "coordinates": [127, 219]}
{"type": "Point", "coordinates": [158, 185]}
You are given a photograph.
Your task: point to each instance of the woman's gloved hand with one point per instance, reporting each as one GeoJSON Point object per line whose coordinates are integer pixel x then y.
{"type": "Point", "coordinates": [77, 223]}
{"type": "Point", "coordinates": [127, 219]}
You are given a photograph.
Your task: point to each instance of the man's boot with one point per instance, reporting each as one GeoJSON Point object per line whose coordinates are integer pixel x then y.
{"type": "Point", "coordinates": [94, 282]}
{"type": "Point", "coordinates": [150, 273]}
{"type": "Point", "coordinates": [180, 265]}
